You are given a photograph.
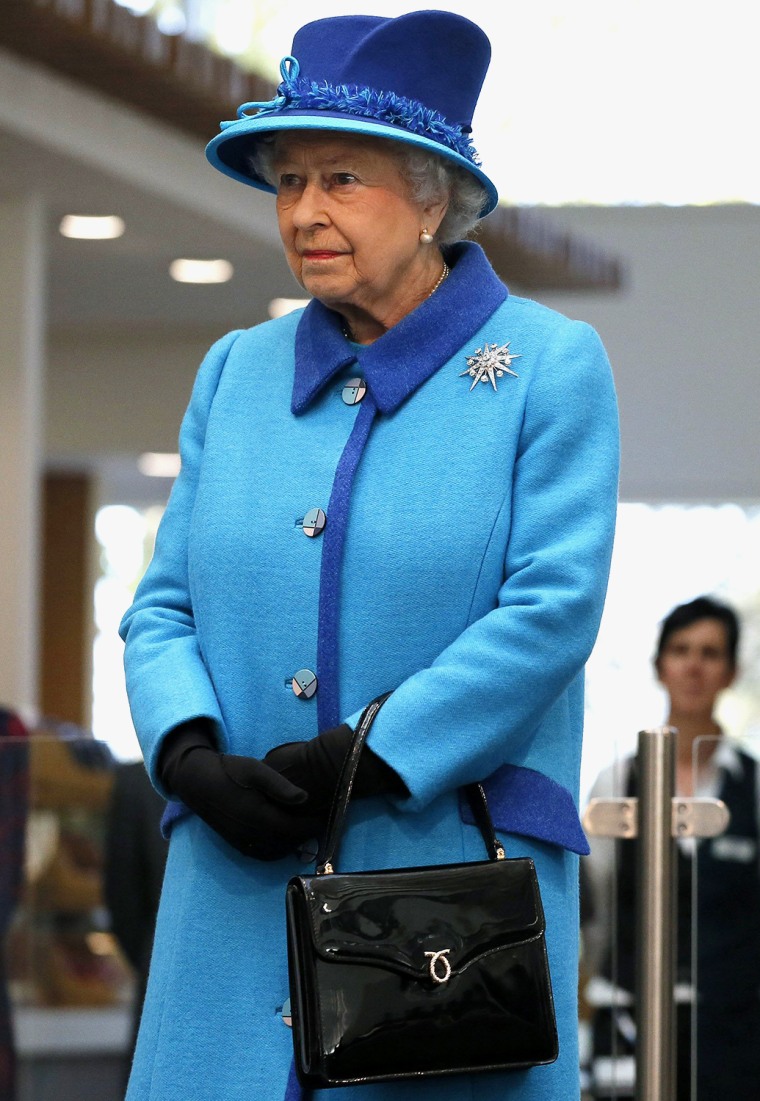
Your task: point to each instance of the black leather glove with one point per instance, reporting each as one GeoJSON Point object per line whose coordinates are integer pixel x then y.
{"type": "Point", "coordinates": [315, 767]}
{"type": "Point", "coordinates": [251, 805]}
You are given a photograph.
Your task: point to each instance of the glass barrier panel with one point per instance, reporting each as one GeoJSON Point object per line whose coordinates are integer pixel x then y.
{"type": "Point", "coordinates": [717, 935]}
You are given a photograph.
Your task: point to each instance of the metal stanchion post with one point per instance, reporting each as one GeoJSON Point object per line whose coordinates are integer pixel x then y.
{"type": "Point", "coordinates": [656, 917]}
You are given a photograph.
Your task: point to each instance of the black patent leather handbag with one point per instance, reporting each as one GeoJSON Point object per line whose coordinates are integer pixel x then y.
{"type": "Point", "coordinates": [415, 972]}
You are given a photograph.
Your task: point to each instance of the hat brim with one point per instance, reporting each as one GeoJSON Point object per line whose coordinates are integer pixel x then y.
{"type": "Point", "coordinates": [229, 150]}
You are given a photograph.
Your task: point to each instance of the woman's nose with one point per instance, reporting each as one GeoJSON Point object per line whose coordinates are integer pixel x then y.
{"type": "Point", "coordinates": [310, 209]}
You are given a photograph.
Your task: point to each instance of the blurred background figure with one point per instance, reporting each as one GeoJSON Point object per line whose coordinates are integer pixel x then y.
{"type": "Point", "coordinates": [718, 892]}
{"type": "Point", "coordinates": [135, 855]}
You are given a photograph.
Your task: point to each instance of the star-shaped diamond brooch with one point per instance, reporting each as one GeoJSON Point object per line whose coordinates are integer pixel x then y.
{"type": "Point", "coordinates": [490, 362]}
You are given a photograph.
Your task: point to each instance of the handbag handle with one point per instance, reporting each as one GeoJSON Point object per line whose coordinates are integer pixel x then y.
{"type": "Point", "coordinates": [475, 794]}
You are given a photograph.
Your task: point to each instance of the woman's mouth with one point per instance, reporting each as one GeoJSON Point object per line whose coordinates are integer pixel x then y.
{"type": "Point", "coordinates": [320, 254]}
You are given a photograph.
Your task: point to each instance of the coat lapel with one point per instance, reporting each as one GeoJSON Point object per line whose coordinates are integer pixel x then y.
{"type": "Point", "coordinates": [411, 352]}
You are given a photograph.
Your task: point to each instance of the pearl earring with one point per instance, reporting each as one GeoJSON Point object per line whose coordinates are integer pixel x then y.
{"type": "Point", "coordinates": [425, 237]}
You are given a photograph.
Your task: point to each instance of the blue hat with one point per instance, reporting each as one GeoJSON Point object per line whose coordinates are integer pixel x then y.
{"type": "Point", "coordinates": [415, 79]}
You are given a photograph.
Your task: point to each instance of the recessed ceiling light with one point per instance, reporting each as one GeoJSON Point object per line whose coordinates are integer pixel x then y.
{"type": "Point", "coordinates": [137, 7]}
{"type": "Point", "coordinates": [201, 271]}
{"type": "Point", "coordinates": [172, 20]}
{"type": "Point", "coordinates": [91, 228]}
{"type": "Point", "coordinates": [278, 307]}
{"type": "Point", "coordinates": [159, 464]}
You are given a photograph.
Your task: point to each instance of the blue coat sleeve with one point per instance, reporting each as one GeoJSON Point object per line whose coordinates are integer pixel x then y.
{"type": "Point", "coordinates": [485, 700]}
{"type": "Point", "coordinates": [167, 679]}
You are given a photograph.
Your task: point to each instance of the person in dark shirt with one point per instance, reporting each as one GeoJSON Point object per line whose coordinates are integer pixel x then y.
{"type": "Point", "coordinates": [695, 661]}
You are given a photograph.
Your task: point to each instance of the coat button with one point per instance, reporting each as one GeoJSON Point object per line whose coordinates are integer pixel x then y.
{"type": "Point", "coordinates": [314, 522]}
{"type": "Point", "coordinates": [354, 391]}
{"type": "Point", "coordinates": [304, 684]}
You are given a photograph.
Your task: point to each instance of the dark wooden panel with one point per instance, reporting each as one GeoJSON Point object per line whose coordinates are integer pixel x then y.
{"type": "Point", "coordinates": [65, 600]}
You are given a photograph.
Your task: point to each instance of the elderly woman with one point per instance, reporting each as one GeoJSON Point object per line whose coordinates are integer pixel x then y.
{"type": "Point", "coordinates": [409, 485]}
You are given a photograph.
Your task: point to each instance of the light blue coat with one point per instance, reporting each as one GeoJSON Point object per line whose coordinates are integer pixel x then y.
{"type": "Point", "coordinates": [464, 565]}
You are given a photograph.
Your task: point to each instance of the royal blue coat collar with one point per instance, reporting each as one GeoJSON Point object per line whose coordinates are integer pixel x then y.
{"type": "Point", "coordinates": [414, 349]}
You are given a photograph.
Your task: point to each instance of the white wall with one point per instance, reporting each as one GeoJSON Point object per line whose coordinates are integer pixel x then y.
{"type": "Point", "coordinates": [119, 391]}
{"type": "Point", "coordinates": [684, 340]}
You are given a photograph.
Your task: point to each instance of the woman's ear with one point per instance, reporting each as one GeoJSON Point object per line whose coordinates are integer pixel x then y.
{"type": "Point", "coordinates": [433, 214]}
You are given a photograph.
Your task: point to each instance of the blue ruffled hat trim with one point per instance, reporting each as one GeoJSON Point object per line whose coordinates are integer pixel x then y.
{"type": "Point", "coordinates": [359, 101]}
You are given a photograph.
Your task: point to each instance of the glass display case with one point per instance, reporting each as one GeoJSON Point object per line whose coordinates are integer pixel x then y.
{"type": "Point", "coordinates": [68, 991]}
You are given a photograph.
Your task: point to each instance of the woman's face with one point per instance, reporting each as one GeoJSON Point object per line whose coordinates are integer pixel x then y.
{"type": "Point", "coordinates": [695, 666]}
{"type": "Point", "coordinates": [350, 229]}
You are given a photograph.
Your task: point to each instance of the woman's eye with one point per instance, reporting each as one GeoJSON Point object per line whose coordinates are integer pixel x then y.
{"type": "Point", "coordinates": [287, 181]}
{"type": "Point", "coordinates": [343, 179]}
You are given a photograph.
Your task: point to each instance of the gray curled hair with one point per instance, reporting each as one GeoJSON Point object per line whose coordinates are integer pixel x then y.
{"type": "Point", "coordinates": [431, 178]}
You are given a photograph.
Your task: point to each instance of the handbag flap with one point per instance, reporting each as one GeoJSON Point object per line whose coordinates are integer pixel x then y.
{"type": "Point", "coordinates": [428, 921]}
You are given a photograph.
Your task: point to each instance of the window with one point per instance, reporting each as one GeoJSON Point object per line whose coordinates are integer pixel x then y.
{"type": "Point", "coordinates": [126, 536]}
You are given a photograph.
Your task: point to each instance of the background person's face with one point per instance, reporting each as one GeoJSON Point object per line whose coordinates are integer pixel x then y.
{"type": "Point", "coordinates": [694, 667]}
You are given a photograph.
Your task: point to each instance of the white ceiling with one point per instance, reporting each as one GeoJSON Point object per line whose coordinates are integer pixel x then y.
{"type": "Point", "coordinates": [83, 154]}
